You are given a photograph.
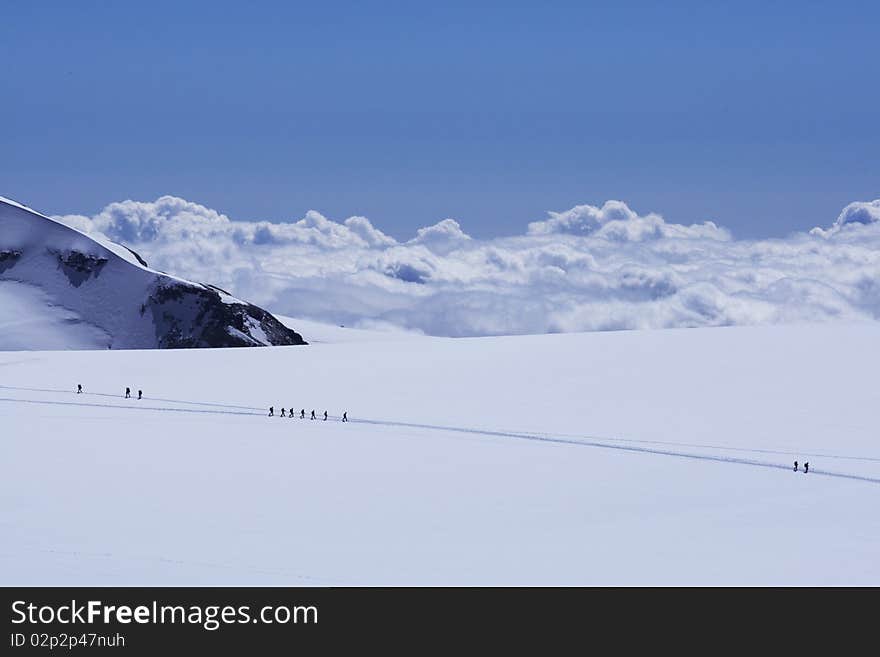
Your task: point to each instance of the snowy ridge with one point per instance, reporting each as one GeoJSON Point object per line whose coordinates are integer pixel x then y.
{"type": "Point", "coordinates": [79, 291]}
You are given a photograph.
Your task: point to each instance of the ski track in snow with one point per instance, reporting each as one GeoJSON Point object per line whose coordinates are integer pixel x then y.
{"type": "Point", "coordinates": [564, 439]}
{"type": "Point", "coordinates": [718, 447]}
{"type": "Point", "coordinates": [129, 407]}
{"type": "Point", "coordinates": [627, 448]}
{"type": "Point", "coordinates": [118, 396]}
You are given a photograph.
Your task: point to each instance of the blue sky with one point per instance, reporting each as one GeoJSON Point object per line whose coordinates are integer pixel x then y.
{"type": "Point", "coordinates": [759, 116]}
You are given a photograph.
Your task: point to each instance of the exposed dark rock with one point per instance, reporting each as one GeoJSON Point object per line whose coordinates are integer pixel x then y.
{"type": "Point", "coordinates": [8, 259]}
{"type": "Point", "coordinates": [79, 267]}
{"type": "Point", "coordinates": [217, 288]}
{"type": "Point", "coordinates": [192, 316]}
{"type": "Point", "coordinates": [136, 255]}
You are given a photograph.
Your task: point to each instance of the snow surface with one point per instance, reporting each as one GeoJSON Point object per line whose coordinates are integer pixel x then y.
{"type": "Point", "coordinates": [29, 317]}
{"type": "Point", "coordinates": [656, 457]}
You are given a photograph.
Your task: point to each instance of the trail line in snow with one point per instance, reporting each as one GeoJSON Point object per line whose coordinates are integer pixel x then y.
{"type": "Point", "coordinates": [726, 448]}
{"type": "Point", "coordinates": [118, 396]}
{"type": "Point", "coordinates": [537, 434]}
{"type": "Point", "coordinates": [602, 444]}
{"type": "Point", "coordinates": [138, 407]}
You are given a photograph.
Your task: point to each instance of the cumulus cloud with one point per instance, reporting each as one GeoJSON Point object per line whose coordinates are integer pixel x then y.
{"type": "Point", "coordinates": [854, 214]}
{"type": "Point", "coordinates": [443, 237]}
{"type": "Point", "coordinates": [616, 221]}
{"type": "Point", "coordinates": [587, 268]}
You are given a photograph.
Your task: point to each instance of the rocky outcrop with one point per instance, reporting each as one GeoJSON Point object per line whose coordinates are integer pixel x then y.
{"type": "Point", "coordinates": [194, 316]}
{"type": "Point", "coordinates": [8, 259]}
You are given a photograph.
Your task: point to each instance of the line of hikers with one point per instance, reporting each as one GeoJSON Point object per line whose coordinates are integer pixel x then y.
{"type": "Point", "coordinates": [79, 390]}
{"type": "Point", "coordinates": [302, 414]}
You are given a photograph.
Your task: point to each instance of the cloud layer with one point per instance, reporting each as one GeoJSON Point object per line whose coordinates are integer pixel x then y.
{"type": "Point", "coordinates": [587, 268]}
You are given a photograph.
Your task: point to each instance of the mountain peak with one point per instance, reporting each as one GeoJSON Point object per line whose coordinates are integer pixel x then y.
{"type": "Point", "coordinates": [60, 288]}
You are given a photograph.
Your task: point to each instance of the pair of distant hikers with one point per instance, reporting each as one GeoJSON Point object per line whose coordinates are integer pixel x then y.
{"type": "Point", "coordinates": [128, 393]}
{"type": "Point", "coordinates": [806, 466]}
{"type": "Point", "coordinates": [79, 390]}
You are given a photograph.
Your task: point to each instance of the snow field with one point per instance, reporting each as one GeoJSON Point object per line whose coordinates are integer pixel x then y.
{"type": "Point", "coordinates": [515, 474]}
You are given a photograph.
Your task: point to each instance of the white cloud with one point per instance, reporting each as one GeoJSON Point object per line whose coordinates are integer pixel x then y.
{"type": "Point", "coordinates": [853, 215]}
{"type": "Point", "coordinates": [588, 268]}
{"type": "Point", "coordinates": [443, 237]}
{"type": "Point", "coordinates": [362, 227]}
{"type": "Point", "coordinates": [582, 219]}
{"type": "Point", "coordinates": [616, 221]}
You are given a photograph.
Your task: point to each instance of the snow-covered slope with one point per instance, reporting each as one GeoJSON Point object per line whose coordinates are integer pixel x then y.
{"type": "Point", "coordinates": [656, 457]}
{"type": "Point", "coordinates": [61, 289]}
